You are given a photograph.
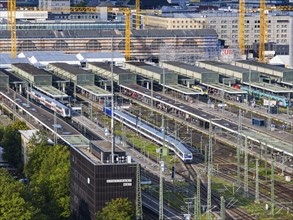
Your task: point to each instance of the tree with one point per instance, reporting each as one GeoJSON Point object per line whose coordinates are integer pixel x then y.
{"type": "Point", "coordinates": [12, 144]}
{"type": "Point", "coordinates": [117, 209]}
{"type": "Point", "coordinates": [48, 169]}
{"type": "Point", "coordinates": [12, 202]}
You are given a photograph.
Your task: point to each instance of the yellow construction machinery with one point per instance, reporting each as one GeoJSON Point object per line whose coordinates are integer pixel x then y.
{"type": "Point", "coordinates": [263, 13]}
{"type": "Point", "coordinates": [126, 11]}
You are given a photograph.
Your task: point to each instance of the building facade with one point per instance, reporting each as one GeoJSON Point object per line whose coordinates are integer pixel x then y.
{"type": "Point", "coordinates": [226, 25]}
{"type": "Point", "coordinates": [178, 21]}
{"type": "Point", "coordinates": [145, 44]}
{"type": "Point", "coordinates": [54, 5]}
{"type": "Point", "coordinates": [93, 183]}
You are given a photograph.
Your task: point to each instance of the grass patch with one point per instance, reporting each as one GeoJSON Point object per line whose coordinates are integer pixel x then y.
{"type": "Point", "coordinates": [226, 189]}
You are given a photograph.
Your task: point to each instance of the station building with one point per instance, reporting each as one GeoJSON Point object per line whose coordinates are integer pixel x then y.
{"type": "Point", "coordinates": [145, 44]}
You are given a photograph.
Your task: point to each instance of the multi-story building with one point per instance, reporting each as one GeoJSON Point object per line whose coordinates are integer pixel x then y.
{"type": "Point", "coordinates": [226, 25]}
{"type": "Point", "coordinates": [174, 21]}
{"type": "Point", "coordinates": [94, 181]}
{"type": "Point", "coordinates": [54, 5]}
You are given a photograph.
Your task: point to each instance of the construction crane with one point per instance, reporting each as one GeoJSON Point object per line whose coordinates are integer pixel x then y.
{"type": "Point", "coordinates": [241, 21]}
{"type": "Point", "coordinates": [137, 17]}
{"type": "Point", "coordinates": [263, 10]}
{"type": "Point", "coordinates": [12, 22]}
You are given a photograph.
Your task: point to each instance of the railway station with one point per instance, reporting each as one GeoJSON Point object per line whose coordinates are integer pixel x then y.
{"type": "Point", "coordinates": [81, 79]}
{"type": "Point", "coordinates": [38, 78]}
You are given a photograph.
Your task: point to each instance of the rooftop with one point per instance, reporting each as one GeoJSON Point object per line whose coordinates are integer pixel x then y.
{"type": "Point", "coordinates": [107, 67]}
{"type": "Point", "coordinates": [226, 66]}
{"type": "Point", "coordinates": [30, 69]}
{"type": "Point", "coordinates": [266, 66]}
{"type": "Point", "coordinates": [189, 67]}
{"type": "Point", "coordinates": [75, 70]}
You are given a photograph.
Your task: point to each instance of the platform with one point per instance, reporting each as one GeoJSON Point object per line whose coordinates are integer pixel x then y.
{"type": "Point", "coordinates": [95, 90]}
{"type": "Point", "coordinates": [225, 88]}
{"type": "Point", "coordinates": [183, 89]}
{"type": "Point", "coordinates": [270, 87]}
{"type": "Point", "coordinates": [51, 91]}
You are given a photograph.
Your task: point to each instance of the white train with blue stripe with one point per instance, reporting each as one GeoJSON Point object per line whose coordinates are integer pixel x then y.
{"type": "Point", "coordinates": [148, 131]}
{"type": "Point", "coordinates": [50, 103]}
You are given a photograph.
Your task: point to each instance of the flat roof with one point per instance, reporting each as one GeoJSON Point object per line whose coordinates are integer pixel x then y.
{"type": "Point", "coordinates": [52, 91]}
{"type": "Point", "coordinates": [87, 153]}
{"type": "Point", "coordinates": [106, 146]}
{"type": "Point", "coordinates": [270, 87]}
{"type": "Point", "coordinates": [225, 88]}
{"type": "Point", "coordinates": [265, 65]}
{"type": "Point", "coordinates": [106, 66]}
{"type": "Point", "coordinates": [12, 77]}
{"type": "Point", "coordinates": [189, 67]}
{"type": "Point", "coordinates": [30, 69]}
{"type": "Point", "coordinates": [266, 139]}
{"type": "Point", "coordinates": [154, 69]}
{"type": "Point", "coordinates": [183, 89]}
{"type": "Point", "coordinates": [226, 66]}
{"type": "Point", "coordinates": [287, 83]}
{"type": "Point", "coordinates": [77, 140]}
{"type": "Point", "coordinates": [3, 74]}
{"type": "Point", "coordinates": [75, 70]}
{"type": "Point", "coordinates": [95, 90]}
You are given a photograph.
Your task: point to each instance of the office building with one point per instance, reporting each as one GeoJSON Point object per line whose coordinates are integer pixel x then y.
{"type": "Point", "coordinates": [95, 181]}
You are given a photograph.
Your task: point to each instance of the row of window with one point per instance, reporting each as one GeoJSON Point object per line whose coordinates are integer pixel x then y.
{"type": "Point", "coordinates": [189, 21]}
{"type": "Point", "coordinates": [186, 26]}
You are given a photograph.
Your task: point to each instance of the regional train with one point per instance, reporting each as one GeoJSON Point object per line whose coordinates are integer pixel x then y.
{"type": "Point", "coordinates": [148, 131]}
{"type": "Point", "coordinates": [50, 103]}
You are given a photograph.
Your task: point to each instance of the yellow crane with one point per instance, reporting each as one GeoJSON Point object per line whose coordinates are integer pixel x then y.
{"type": "Point", "coordinates": [137, 17]}
{"type": "Point", "coordinates": [126, 11]}
{"type": "Point", "coordinates": [263, 10]}
{"type": "Point", "coordinates": [241, 24]}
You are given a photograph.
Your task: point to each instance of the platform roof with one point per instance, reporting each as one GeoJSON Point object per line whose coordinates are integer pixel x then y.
{"type": "Point", "coordinates": [75, 70]}
{"type": "Point", "coordinates": [225, 88]}
{"type": "Point", "coordinates": [107, 67]}
{"type": "Point", "coordinates": [30, 69]}
{"type": "Point", "coordinates": [270, 87]}
{"type": "Point", "coordinates": [12, 77]}
{"type": "Point", "coordinates": [183, 89]}
{"type": "Point", "coordinates": [264, 65]}
{"type": "Point", "coordinates": [200, 74]}
{"type": "Point", "coordinates": [120, 75]}
{"type": "Point", "coordinates": [266, 139]}
{"type": "Point", "coordinates": [95, 90]}
{"type": "Point", "coordinates": [153, 72]}
{"type": "Point", "coordinates": [52, 91]}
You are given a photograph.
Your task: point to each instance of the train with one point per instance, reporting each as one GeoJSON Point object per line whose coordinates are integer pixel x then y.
{"type": "Point", "coordinates": [155, 135]}
{"type": "Point", "coordinates": [50, 103]}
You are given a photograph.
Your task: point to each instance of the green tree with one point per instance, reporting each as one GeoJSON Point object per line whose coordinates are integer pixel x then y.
{"type": "Point", "coordinates": [12, 202]}
{"type": "Point", "coordinates": [117, 209]}
{"type": "Point", "coordinates": [12, 144]}
{"type": "Point", "coordinates": [48, 169]}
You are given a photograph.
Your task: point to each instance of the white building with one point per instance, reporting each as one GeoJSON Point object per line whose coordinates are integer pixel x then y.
{"type": "Point", "coordinates": [55, 6]}
{"type": "Point", "coordinates": [117, 57]}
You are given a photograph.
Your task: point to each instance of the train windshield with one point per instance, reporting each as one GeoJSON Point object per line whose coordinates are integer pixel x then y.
{"type": "Point", "coordinates": [188, 156]}
{"type": "Point", "coordinates": [67, 111]}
